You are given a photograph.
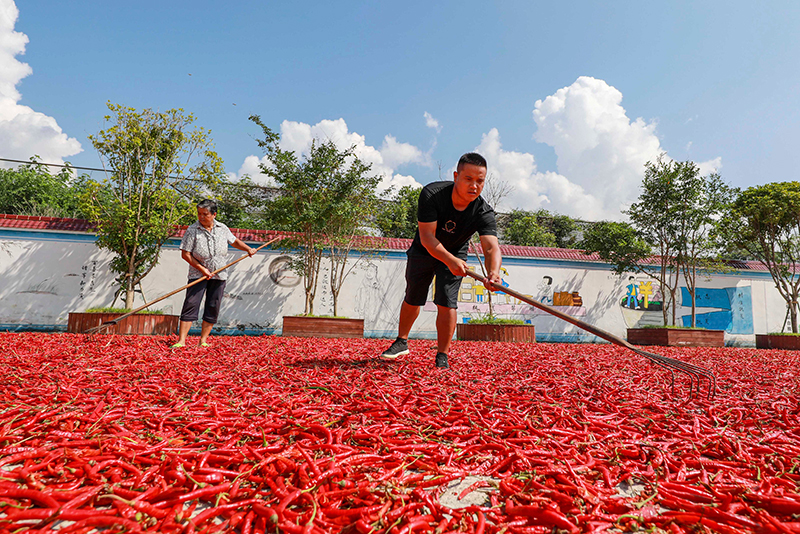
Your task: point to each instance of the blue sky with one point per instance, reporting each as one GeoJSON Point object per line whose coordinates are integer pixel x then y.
{"type": "Point", "coordinates": [616, 84]}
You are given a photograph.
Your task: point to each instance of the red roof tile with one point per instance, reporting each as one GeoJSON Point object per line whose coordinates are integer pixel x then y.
{"type": "Point", "coordinates": [383, 243]}
{"type": "Point", "coordinates": [45, 223]}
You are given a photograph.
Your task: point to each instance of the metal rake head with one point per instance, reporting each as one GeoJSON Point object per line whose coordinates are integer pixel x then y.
{"type": "Point", "coordinates": [695, 373]}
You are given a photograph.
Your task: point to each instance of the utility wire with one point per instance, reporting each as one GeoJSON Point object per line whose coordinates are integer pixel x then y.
{"type": "Point", "coordinates": [68, 166]}
{"type": "Point", "coordinates": [34, 162]}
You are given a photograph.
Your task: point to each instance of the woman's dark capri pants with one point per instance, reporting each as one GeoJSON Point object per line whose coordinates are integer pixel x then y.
{"type": "Point", "coordinates": [420, 271]}
{"type": "Point", "coordinates": [213, 289]}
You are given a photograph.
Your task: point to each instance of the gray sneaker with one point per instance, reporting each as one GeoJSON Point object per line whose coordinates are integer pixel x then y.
{"type": "Point", "coordinates": [441, 360]}
{"type": "Point", "coordinates": [398, 348]}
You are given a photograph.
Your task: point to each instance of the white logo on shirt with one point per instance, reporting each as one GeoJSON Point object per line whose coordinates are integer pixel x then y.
{"type": "Point", "coordinates": [449, 227]}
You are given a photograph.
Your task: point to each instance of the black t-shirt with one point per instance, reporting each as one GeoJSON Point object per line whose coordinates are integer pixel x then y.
{"type": "Point", "coordinates": [454, 228]}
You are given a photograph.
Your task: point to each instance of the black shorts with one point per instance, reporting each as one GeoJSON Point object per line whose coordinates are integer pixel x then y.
{"type": "Point", "coordinates": [213, 290]}
{"type": "Point", "coordinates": [420, 271]}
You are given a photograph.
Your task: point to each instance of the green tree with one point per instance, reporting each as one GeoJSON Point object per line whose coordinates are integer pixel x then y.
{"type": "Point", "coordinates": [524, 228]}
{"type": "Point", "coordinates": [356, 203]}
{"type": "Point", "coordinates": [398, 215]}
{"type": "Point", "coordinates": [656, 218]}
{"type": "Point", "coordinates": [702, 200]}
{"type": "Point", "coordinates": [326, 197]}
{"type": "Point", "coordinates": [619, 244]}
{"type": "Point", "coordinates": [242, 204]}
{"type": "Point", "coordinates": [673, 219]}
{"type": "Point", "coordinates": [157, 165]}
{"type": "Point", "coordinates": [660, 229]}
{"type": "Point", "coordinates": [31, 189]}
{"type": "Point", "coordinates": [764, 221]}
{"type": "Point", "coordinates": [562, 227]}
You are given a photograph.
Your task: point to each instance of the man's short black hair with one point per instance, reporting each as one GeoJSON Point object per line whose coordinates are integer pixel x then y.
{"type": "Point", "coordinates": [471, 158]}
{"type": "Point", "coordinates": [207, 204]}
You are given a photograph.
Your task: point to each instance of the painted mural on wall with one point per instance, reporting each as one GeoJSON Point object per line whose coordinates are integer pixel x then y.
{"type": "Point", "coordinates": [642, 303]}
{"type": "Point", "coordinates": [376, 302]}
{"type": "Point", "coordinates": [281, 273]}
{"type": "Point", "coordinates": [473, 300]}
{"type": "Point", "coordinates": [725, 308]}
{"type": "Point", "coordinates": [717, 308]}
{"type": "Point", "coordinates": [46, 277]}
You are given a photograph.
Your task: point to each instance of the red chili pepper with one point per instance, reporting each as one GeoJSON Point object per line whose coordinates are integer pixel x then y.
{"type": "Point", "coordinates": [266, 512]}
{"type": "Point", "coordinates": [103, 521]}
{"type": "Point", "coordinates": [31, 495]}
{"type": "Point", "coordinates": [210, 513]}
{"type": "Point", "coordinates": [89, 415]}
{"type": "Point", "coordinates": [542, 516]}
{"type": "Point", "coordinates": [200, 493]}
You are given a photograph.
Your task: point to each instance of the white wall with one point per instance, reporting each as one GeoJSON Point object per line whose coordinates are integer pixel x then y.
{"type": "Point", "coordinates": [45, 275]}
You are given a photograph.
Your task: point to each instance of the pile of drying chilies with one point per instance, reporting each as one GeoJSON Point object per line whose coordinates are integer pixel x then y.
{"type": "Point", "coordinates": [291, 435]}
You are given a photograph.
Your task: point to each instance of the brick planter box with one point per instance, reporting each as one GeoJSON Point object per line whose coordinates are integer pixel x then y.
{"type": "Point", "coordinates": [301, 326]}
{"type": "Point", "coordinates": [141, 324]}
{"type": "Point", "coordinates": [769, 341]}
{"type": "Point", "coordinates": [519, 333]}
{"type": "Point", "coordinates": [676, 337]}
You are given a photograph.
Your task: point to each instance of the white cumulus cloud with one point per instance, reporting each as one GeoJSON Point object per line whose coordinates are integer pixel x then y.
{"type": "Point", "coordinates": [396, 154]}
{"type": "Point", "coordinates": [597, 146]}
{"type": "Point", "coordinates": [711, 166]}
{"type": "Point", "coordinates": [298, 136]}
{"type": "Point", "coordinates": [600, 154]}
{"type": "Point", "coordinates": [432, 123]}
{"type": "Point", "coordinates": [533, 189]}
{"type": "Point", "coordinates": [23, 131]}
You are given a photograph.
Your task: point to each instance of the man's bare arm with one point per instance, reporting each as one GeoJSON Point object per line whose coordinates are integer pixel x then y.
{"type": "Point", "coordinates": [491, 250]}
{"type": "Point", "coordinates": [427, 235]}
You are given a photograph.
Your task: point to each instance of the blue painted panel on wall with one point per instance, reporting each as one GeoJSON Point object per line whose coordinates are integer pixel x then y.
{"type": "Point", "coordinates": [742, 301]}
{"type": "Point", "coordinates": [707, 297]}
{"type": "Point", "coordinates": [735, 305]}
{"type": "Point", "coordinates": [719, 320]}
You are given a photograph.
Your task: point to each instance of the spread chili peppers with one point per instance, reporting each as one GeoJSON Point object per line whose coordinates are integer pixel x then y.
{"type": "Point", "coordinates": [277, 434]}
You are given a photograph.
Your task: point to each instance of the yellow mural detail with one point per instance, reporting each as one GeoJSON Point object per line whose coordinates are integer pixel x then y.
{"type": "Point", "coordinates": [645, 290]}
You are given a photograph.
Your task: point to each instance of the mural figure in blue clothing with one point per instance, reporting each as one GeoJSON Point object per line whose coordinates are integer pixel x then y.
{"type": "Point", "coordinates": [633, 294]}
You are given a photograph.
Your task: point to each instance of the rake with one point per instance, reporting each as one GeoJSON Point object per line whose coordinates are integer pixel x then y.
{"type": "Point", "coordinates": [97, 329]}
{"type": "Point", "coordinates": [695, 373]}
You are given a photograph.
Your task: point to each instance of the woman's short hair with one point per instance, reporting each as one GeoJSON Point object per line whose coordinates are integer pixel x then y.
{"type": "Point", "coordinates": [207, 204]}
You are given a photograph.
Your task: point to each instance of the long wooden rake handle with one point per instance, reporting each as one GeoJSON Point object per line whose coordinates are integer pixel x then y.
{"type": "Point", "coordinates": [694, 372]}
{"type": "Point", "coordinates": [106, 324]}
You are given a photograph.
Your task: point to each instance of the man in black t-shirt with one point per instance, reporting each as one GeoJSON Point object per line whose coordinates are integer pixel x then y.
{"type": "Point", "coordinates": [449, 213]}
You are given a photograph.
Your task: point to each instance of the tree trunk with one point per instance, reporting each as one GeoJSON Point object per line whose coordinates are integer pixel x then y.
{"type": "Point", "coordinates": [309, 309]}
{"type": "Point", "coordinates": [694, 297]}
{"type": "Point", "coordinates": [690, 277]}
{"type": "Point", "coordinates": [311, 275]}
{"type": "Point", "coordinates": [793, 314]}
{"type": "Point", "coordinates": [672, 291]}
{"type": "Point", "coordinates": [663, 280]}
{"type": "Point", "coordinates": [335, 295]}
{"type": "Point", "coordinates": [129, 294]}
{"type": "Point", "coordinates": [311, 286]}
